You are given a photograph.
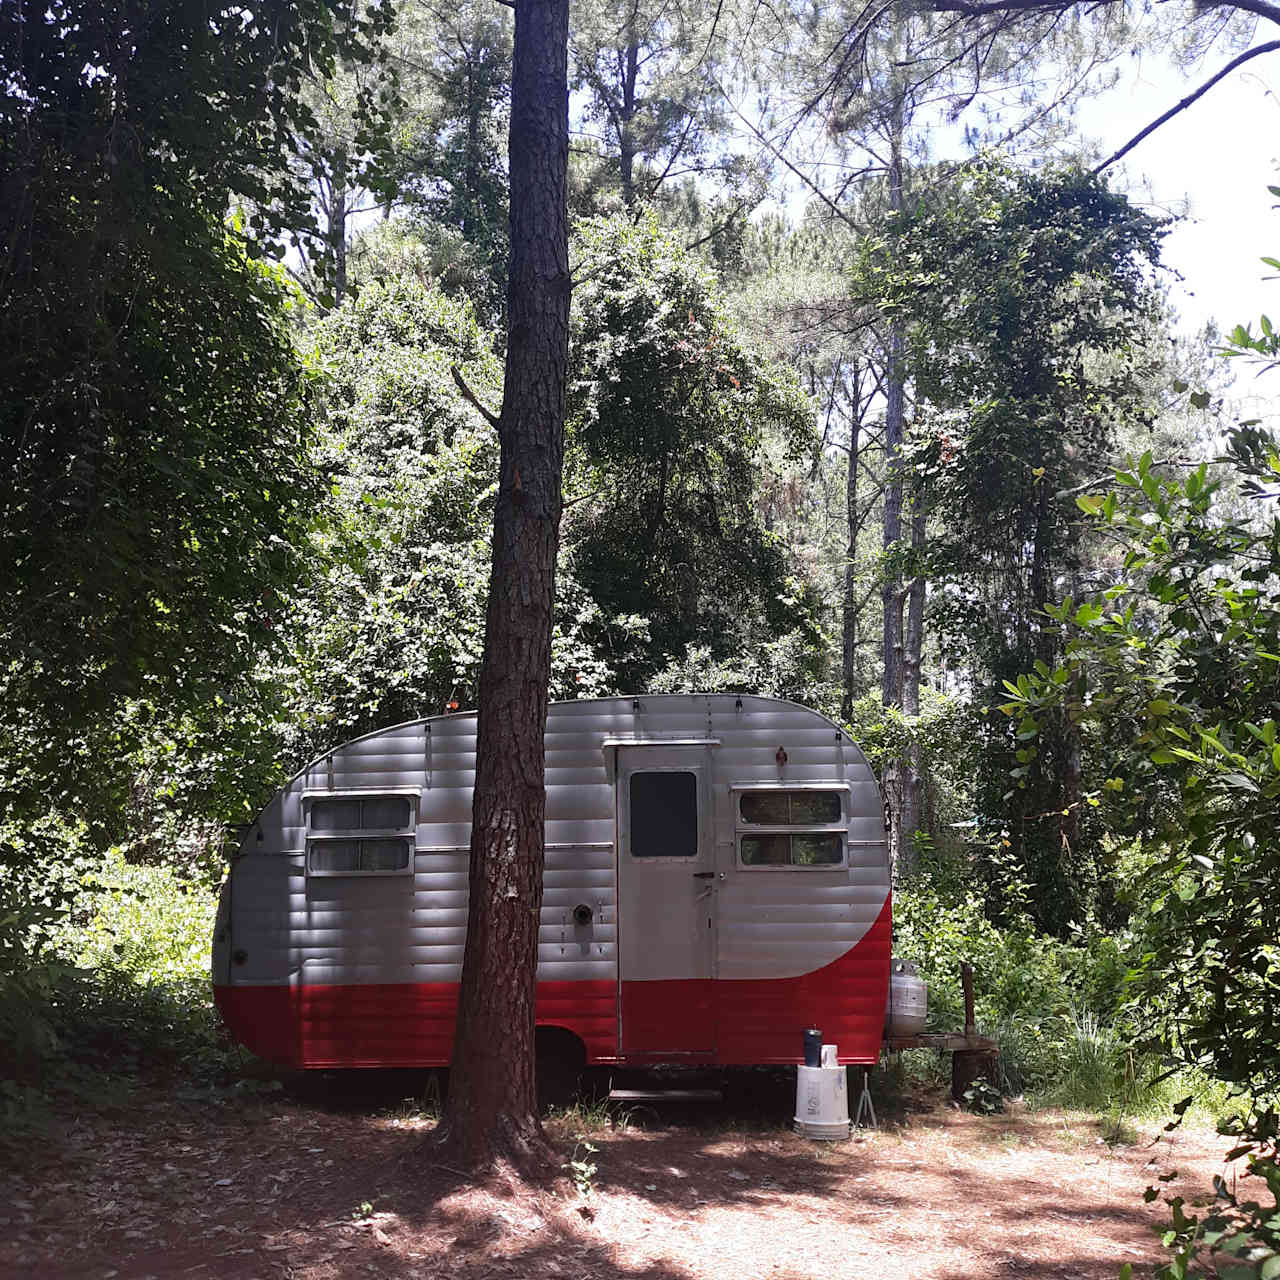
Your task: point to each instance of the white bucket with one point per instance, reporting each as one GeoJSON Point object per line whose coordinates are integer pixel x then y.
{"type": "Point", "coordinates": [822, 1103]}
{"type": "Point", "coordinates": [830, 1055]}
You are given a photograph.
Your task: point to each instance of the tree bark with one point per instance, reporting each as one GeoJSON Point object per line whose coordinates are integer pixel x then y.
{"type": "Point", "coordinates": [491, 1112]}
{"type": "Point", "coordinates": [891, 594]}
{"type": "Point", "coordinates": [851, 610]}
{"type": "Point", "coordinates": [913, 779]}
{"type": "Point", "coordinates": [338, 224]}
{"type": "Point", "coordinates": [894, 419]}
{"type": "Point", "coordinates": [626, 134]}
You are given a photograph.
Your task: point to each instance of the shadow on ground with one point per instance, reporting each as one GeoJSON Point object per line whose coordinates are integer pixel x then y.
{"type": "Point", "coordinates": [340, 1181]}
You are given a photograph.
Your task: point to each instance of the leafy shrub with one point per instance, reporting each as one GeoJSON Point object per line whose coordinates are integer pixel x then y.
{"type": "Point", "coordinates": [1053, 1005]}
{"type": "Point", "coordinates": [983, 1098]}
{"type": "Point", "coordinates": [146, 923]}
{"type": "Point", "coordinates": [121, 988]}
{"type": "Point", "coordinates": [1239, 1237]}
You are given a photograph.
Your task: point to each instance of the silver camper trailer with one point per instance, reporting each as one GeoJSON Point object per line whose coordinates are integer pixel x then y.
{"type": "Point", "coordinates": [717, 881]}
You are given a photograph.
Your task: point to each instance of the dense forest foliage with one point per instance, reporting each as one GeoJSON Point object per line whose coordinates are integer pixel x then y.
{"type": "Point", "coordinates": [874, 402]}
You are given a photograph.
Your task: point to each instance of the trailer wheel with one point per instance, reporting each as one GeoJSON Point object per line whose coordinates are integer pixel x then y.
{"type": "Point", "coordinates": [560, 1057]}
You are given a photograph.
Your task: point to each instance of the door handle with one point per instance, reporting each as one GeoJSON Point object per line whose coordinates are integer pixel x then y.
{"type": "Point", "coordinates": [704, 875]}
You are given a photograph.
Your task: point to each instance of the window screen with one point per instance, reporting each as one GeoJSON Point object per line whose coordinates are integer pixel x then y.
{"type": "Point", "coordinates": [785, 811]}
{"type": "Point", "coordinates": [335, 856]}
{"type": "Point", "coordinates": [664, 815]}
{"type": "Point", "coordinates": [335, 815]}
{"type": "Point", "coordinates": [353, 857]}
{"type": "Point", "coordinates": [361, 813]}
{"type": "Point", "coordinates": [825, 850]}
{"type": "Point", "coordinates": [790, 808]}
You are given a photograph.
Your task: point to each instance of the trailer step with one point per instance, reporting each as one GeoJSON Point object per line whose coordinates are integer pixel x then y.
{"type": "Point", "coordinates": [666, 1095]}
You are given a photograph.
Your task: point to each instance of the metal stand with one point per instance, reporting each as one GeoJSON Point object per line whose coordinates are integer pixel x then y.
{"type": "Point", "coordinates": [865, 1106]}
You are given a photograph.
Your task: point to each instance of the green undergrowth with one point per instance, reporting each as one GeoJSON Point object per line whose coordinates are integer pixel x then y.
{"type": "Point", "coordinates": [1060, 1009]}
{"type": "Point", "coordinates": [119, 992]}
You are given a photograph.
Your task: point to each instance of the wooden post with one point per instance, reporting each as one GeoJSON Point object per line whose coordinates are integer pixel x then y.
{"type": "Point", "coordinates": [968, 1064]}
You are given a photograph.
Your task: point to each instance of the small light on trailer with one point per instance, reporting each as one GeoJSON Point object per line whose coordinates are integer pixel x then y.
{"type": "Point", "coordinates": [781, 756]}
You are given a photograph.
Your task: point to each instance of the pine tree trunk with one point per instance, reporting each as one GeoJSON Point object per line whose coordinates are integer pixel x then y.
{"type": "Point", "coordinates": [338, 225]}
{"type": "Point", "coordinates": [626, 135]}
{"type": "Point", "coordinates": [891, 594]}
{"type": "Point", "coordinates": [913, 644]}
{"type": "Point", "coordinates": [850, 610]}
{"type": "Point", "coordinates": [492, 1112]}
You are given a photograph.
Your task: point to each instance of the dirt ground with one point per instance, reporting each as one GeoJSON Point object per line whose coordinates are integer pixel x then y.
{"type": "Point", "coordinates": [276, 1187]}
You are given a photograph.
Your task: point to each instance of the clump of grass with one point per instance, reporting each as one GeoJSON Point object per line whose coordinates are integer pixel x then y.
{"type": "Point", "coordinates": [1096, 1068]}
{"type": "Point", "coordinates": [587, 1115]}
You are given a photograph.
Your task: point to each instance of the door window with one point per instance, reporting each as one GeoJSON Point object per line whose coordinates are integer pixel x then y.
{"type": "Point", "coordinates": [664, 814]}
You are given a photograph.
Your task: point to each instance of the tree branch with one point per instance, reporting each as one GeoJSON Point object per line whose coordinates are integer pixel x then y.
{"type": "Point", "coordinates": [1110, 476]}
{"type": "Point", "coordinates": [1271, 46]}
{"type": "Point", "coordinates": [470, 397]}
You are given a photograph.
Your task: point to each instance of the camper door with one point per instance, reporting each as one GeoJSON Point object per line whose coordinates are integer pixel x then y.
{"type": "Point", "coordinates": [666, 900]}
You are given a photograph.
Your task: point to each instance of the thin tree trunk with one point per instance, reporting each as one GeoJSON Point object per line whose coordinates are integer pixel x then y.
{"type": "Point", "coordinates": [338, 225]}
{"type": "Point", "coordinates": [891, 594]}
{"type": "Point", "coordinates": [626, 136]}
{"type": "Point", "coordinates": [851, 611]}
{"type": "Point", "coordinates": [894, 419]}
{"type": "Point", "coordinates": [913, 779]}
{"type": "Point", "coordinates": [492, 1111]}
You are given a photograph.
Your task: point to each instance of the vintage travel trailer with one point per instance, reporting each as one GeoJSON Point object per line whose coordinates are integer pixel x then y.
{"type": "Point", "coordinates": [717, 881]}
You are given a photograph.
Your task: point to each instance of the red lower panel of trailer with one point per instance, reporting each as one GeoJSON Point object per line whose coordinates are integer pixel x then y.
{"type": "Point", "coordinates": [725, 1021]}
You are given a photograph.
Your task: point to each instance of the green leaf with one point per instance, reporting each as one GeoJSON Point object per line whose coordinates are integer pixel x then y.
{"type": "Point", "coordinates": [1090, 504]}
{"type": "Point", "coordinates": [1239, 782]}
{"type": "Point", "coordinates": [1199, 399]}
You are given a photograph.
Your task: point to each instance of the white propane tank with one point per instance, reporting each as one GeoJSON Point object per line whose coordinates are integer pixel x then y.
{"type": "Point", "coordinates": [908, 1000]}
